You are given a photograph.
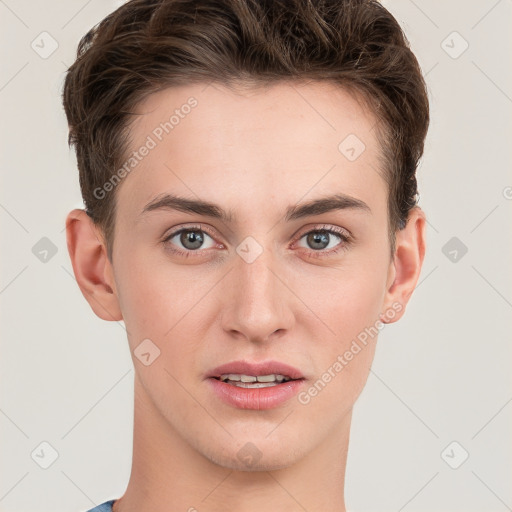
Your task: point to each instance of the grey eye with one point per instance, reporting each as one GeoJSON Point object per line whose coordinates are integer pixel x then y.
{"type": "Point", "coordinates": [190, 239]}
{"type": "Point", "coordinates": [320, 239]}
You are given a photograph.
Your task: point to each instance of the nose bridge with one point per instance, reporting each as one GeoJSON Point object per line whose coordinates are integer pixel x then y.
{"type": "Point", "coordinates": [258, 305]}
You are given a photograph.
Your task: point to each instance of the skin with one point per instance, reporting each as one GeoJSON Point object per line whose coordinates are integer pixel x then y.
{"type": "Point", "coordinates": [254, 152]}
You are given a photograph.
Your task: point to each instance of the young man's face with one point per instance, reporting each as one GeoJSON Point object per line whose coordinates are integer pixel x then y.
{"type": "Point", "coordinates": [258, 286]}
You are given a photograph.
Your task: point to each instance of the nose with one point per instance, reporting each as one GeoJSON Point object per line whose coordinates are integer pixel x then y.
{"type": "Point", "coordinates": [257, 303]}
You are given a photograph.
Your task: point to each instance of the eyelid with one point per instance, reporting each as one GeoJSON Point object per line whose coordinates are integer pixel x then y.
{"type": "Point", "coordinates": [193, 227]}
{"type": "Point", "coordinates": [324, 227]}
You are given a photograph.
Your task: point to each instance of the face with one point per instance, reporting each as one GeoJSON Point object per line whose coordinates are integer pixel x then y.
{"type": "Point", "coordinates": [253, 276]}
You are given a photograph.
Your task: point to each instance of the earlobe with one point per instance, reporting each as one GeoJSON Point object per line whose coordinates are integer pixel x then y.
{"type": "Point", "coordinates": [407, 263]}
{"type": "Point", "coordinates": [91, 266]}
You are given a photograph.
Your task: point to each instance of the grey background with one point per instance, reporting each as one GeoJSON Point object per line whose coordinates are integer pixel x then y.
{"type": "Point", "coordinates": [441, 374]}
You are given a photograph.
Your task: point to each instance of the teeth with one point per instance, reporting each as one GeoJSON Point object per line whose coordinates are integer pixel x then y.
{"type": "Point", "coordinates": [230, 376]}
{"type": "Point", "coordinates": [252, 385]}
{"type": "Point", "coordinates": [269, 378]}
{"type": "Point", "coordinates": [234, 377]}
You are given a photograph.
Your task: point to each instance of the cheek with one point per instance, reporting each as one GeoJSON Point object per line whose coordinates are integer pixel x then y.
{"type": "Point", "coordinates": [148, 303]}
{"type": "Point", "coordinates": [160, 302]}
{"type": "Point", "coordinates": [352, 300]}
{"type": "Point", "coordinates": [344, 359]}
{"type": "Point", "coordinates": [351, 310]}
{"type": "Point", "coordinates": [162, 308]}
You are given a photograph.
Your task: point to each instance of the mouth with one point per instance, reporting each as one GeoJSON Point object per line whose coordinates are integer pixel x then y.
{"type": "Point", "coordinates": [257, 386]}
{"type": "Point", "coordinates": [246, 374]}
{"type": "Point", "coordinates": [254, 381]}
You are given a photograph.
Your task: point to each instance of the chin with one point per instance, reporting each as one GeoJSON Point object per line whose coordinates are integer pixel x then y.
{"type": "Point", "coordinates": [257, 455]}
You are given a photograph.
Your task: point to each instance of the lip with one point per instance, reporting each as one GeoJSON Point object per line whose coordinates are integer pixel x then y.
{"type": "Point", "coordinates": [256, 398]}
{"type": "Point", "coordinates": [263, 368]}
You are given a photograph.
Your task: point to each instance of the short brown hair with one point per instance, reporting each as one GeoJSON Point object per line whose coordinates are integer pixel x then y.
{"type": "Point", "coordinates": [148, 45]}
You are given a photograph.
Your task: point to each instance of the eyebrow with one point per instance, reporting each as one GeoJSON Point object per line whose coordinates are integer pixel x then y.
{"type": "Point", "coordinates": [208, 209]}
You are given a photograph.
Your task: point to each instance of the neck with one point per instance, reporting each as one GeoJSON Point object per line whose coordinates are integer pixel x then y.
{"type": "Point", "coordinates": [168, 474]}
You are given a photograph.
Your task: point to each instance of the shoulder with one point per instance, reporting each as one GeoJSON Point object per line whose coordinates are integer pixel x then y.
{"type": "Point", "coordinates": [104, 507]}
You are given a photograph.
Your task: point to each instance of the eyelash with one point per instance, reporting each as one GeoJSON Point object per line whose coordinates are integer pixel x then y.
{"type": "Point", "coordinates": [345, 238]}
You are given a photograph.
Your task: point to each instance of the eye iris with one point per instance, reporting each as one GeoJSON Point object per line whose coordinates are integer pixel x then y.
{"type": "Point", "coordinates": [193, 237]}
{"type": "Point", "coordinates": [318, 238]}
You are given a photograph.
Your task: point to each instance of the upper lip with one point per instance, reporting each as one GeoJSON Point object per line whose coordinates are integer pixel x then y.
{"type": "Point", "coordinates": [256, 369]}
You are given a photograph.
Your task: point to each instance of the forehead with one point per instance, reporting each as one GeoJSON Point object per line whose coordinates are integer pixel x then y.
{"type": "Point", "coordinates": [287, 139]}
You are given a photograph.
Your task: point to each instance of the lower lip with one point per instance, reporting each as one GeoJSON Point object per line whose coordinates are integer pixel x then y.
{"type": "Point", "coordinates": [256, 398]}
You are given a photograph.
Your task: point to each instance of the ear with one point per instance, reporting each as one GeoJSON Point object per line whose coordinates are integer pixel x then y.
{"type": "Point", "coordinates": [93, 270]}
{"type": "Point", "coordinates": [406, 266]}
